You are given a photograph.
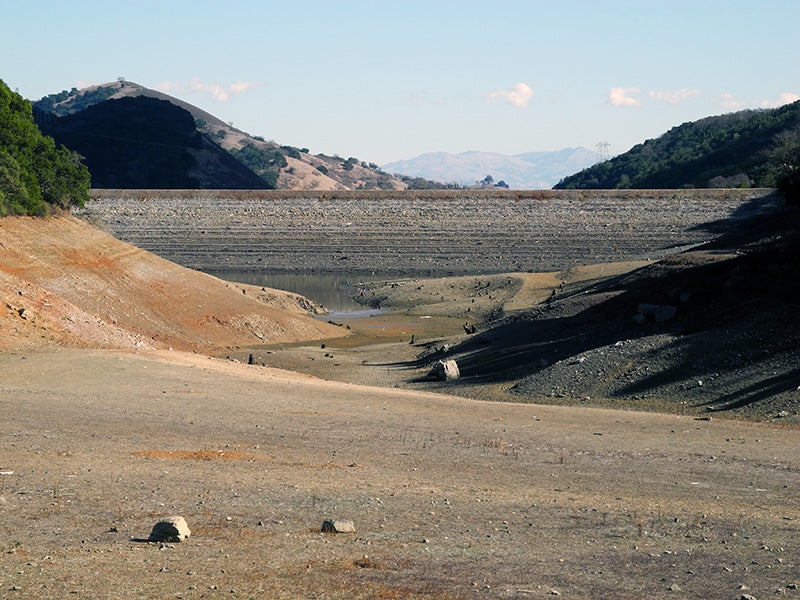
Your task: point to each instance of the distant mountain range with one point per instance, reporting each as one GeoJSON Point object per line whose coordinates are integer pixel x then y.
{"type": "Point", "coordinates": [531, 170]}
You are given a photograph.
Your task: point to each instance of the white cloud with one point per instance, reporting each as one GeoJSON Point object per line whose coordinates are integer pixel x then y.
{"type": "Point", "coordinates": [674, 97]}
{"type": "Point", "coordinates": [240, 87]}
{"type": "Point", "coordinates": [784, 98]}
{"type": "Point", "coordinates": [619, 96]}
{"type": "Point", "coordinates": [218, 92]}
{"type": "Point", "coordinates": [520, 95]}
{"type": "Point", "coordinates": [730, 102]}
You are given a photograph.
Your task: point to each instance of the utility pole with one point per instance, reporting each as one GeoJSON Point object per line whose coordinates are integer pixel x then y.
{"type": "Point", "coordinates": [602, 151]}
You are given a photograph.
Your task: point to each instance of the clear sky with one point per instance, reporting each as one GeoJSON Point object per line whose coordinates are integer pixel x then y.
{"type": "Point", "coordinates": [388, 80]}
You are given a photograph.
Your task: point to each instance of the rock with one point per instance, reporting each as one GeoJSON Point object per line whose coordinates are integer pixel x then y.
{"type": "Point", "coordinates": [659, 312]}
{"type": "Point", "coordinates": [338, 526]}
{"type": "Point", "coordinates": [170, 529]}
{"type": "Point", "coordinates": [664, 313]}
{"type": "Point", "coordinates": [747, 597]}
{"type": "Point", "coordinates": [648, 310]}
{"type": "Point", "coordinates": [446, 370]}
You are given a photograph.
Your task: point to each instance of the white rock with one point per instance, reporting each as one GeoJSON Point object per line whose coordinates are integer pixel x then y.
{"type": "Point", "coordinates": [338, 526]}
{"type": "Point", "coordinates": [170, 529]}
{"type": "Point", "coordinates": [446, 370]}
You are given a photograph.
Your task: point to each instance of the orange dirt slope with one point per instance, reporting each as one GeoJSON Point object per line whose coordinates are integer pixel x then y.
{"type": "Point", "coordinates": [64, 282]}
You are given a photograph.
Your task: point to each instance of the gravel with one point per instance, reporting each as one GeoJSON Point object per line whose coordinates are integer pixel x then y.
{"type": "Point", "coordinates": [416, 233]}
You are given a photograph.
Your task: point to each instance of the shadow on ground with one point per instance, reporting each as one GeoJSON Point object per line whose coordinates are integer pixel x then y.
{"type": "Point", "coordinates": [733, 342]}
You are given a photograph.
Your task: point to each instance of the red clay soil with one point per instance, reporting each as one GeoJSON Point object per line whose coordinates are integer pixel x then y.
{"type": "Point", "coordinates": [66, 283]}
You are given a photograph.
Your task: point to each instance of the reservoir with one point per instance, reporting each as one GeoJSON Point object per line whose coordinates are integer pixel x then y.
{"type": "Point", "coordinates": [334, 291]}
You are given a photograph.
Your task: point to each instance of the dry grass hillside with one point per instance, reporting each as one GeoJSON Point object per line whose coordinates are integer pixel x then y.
{"type": "Point", "coordinates": [301, 173]}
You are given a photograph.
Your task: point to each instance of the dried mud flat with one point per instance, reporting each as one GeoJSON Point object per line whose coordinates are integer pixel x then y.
{"type": "Point", "coordinates": [451, 498]}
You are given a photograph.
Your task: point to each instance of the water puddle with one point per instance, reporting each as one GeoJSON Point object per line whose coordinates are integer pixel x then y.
{"type": "Point", "coordinates": [334, 291]}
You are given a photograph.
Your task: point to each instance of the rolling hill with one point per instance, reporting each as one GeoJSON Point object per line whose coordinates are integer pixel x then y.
{"type": "Point", "coordinates": [141, 142]}
{"type": "Point", "coordinates": [749, 148]}
{"type": "Point", "coordinates": [193, 151]}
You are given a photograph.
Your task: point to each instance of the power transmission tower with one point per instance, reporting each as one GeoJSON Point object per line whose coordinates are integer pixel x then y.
{"type": "Point", "coordinates": [602, 151]}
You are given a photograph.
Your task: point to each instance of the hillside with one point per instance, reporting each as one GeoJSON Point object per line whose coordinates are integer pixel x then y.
{"type": "Point", "coordinates": [749, 148]}
{"type": "Point", "coordinates": [278, 166]}
{"type": "Point", "coordinates": [66, 283]}
{"type": "Point", "coordinates": [146, 143]}
{"type": "Point", "coordinates": [528, 171]}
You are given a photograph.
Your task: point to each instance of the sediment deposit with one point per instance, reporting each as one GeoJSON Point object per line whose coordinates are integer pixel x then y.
{"type": "Point", "coordinates": [417, 233]}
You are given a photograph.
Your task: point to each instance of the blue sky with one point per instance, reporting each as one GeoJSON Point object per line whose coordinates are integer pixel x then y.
{"type": "Point", "coordinates": [388, 80]}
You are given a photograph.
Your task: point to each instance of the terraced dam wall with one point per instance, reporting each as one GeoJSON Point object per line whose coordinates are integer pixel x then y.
{"type": "Point", "coordinates": [418, 233]}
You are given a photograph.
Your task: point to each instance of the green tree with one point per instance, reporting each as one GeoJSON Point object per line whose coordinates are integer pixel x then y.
{"type": "Point", "coordinates": [35, 174]}
{"type": "Point", "coordinates": [785, 154]}
{"type": "Point", "coordinates": [729, 150]}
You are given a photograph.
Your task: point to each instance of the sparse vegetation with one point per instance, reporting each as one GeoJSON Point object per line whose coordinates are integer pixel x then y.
{"type": "Point", "coordinates": [266, 162]}
{"type": "Point", "coordinates": [291, 152]}
{"type": "Point", "coordinates": [68, 102]}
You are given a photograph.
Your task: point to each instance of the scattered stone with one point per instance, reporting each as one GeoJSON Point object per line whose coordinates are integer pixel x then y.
{"type": "Point", "coordinates": [170, 529]}
{"type": "Point", "coordinates": [338, 526]}
{"type": "Point", "coordinates": [658, 312]}
{"type": "Point", "coordinates": [664, 313]}
{"type": "Point", "coordinates": [446, 370]}
{"type": "Point", "coordinates": [747, 597]}
{"type": "Point", "coordinates": [675, 588]}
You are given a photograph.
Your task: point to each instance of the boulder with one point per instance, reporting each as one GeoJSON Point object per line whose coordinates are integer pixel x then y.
{"type": "Point", "coordinates": [170, 529]}
{"type": "Point", "coordinates": [648, 310]}
{"type": "Point", "coordinates": [446, 370]}
{"type": "Point", "coordinates": [338, 526]}
{"type": "Point", "coordinates": [664, 313]}
{"type": "Point", "coordinates": [658, 312]}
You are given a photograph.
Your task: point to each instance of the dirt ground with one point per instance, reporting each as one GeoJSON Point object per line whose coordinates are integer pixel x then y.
{"type": "Point", "coordinates": [451, 498]}
{"type": "Point", "coordinates": [106, 427]}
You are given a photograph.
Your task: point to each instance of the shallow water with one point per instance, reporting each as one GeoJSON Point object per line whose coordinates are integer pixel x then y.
{"type": "Point", "coordinates": [333, 291]}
